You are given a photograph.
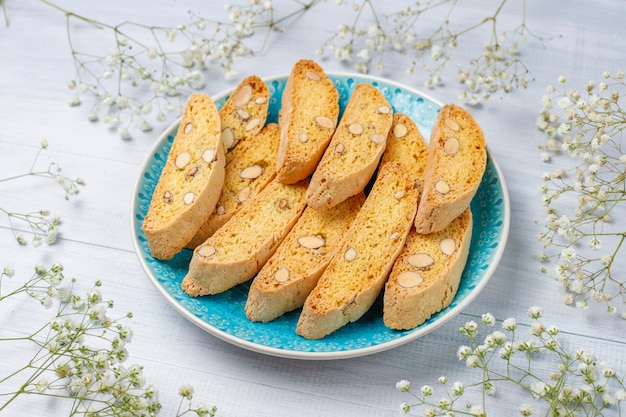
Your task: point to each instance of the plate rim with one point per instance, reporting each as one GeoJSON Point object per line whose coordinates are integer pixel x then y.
{"type": "Point", "coordinates": [319, 355]}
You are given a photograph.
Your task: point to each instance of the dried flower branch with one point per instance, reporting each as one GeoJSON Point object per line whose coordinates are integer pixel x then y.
{"type": "Point", "coordinates": [42, 226]}
{"type": "Point", "coordinates": [585, 197]}
{"type": "Point", "coordinates": [495, 68]}
{"type": "Point", "coordinates": [150, 70]}
{"type": "Point", "coordinates": [574, 384]}
{"type": "Point", "coordinates": [80, 355]}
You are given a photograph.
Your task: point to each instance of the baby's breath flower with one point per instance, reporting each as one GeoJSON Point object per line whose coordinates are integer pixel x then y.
{"type": "Point", "coordinates": [403, 385]}
{"type": "Point", "coordinates": [526, 409]}
{"type": "Point", "coordinates": [580, 385]}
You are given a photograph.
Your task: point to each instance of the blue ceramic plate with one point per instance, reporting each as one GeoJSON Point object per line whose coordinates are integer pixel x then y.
{"type": "Point", "coordinates": [223, 315]}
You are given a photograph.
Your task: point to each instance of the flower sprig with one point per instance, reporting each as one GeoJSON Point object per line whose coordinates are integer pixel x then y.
{"type": "Point", "coordinates": [42, 226]}
{"type": "Point", "coordinates": [150, 70]}
{"type": "Point", "coordinates": [564, 382]}
{"type": "Point", "coordinates": [80, 355]}
{"type": "Point", "coordinates": [496, 68]}
{"type": "Point", "coordinates": [585, 195]}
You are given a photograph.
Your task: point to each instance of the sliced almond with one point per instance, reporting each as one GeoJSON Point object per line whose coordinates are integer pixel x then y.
{"type": "Point", "coordinates": [447, 246]}
{"type": "Point", "coordinates": [355, 128]}
{"type": "Point", "coordinates": [400, 130]}
{"type": "Point", "coordinates": [311, 242]}
{"type": "Point", "coordinates": [452, 124]}
{"type": "Point", "coordinates": [340, 147]}
{"type": "Point", "coordinates": [442, 187]}
{"type": "Point", "coordinates": [420, 260]}
{"type": "Point", "coordinates": [188, 128]}
{"type": "Point", "coordinates": [378, 138]}
{"type": "Point", "coordinates": [167, 197]}
{"type": "Point", "coordinates": [451, 146]}
{"type": "Point", "coordinates": [303, 137]}
{"type": "Point", "coordinates": [312, 75]}
{"type": "Point", "coordinates": [399, 195]}
{"type": "Point", "coordinates": [325, 122]}
{"type": "Point", "coordinates": [193, 171]}
{"type": "Point", "coordinates": [189, 198]}
{"type": "Point", "coordinates": [242, 96]}
{"type": "Point", "coordinates": [252, 172]}
{"type": "Point", "coordinates": [206, 251]}
{"type": "Point", "coordinates": [260, 100]}
{"type": "Point", "coordinates": [281, 275]}
{"type": "Point", "coordinates": [394, 235]}
{"type": "Point", "coordinates": [384, 110]}
{"type": "Point", "coordinates": [253, 123]}
{"type": "Point", "coordinates": [244, 195]}
{"type": "Point", "coordinates": [409, 279]}
{"type": "Point", "coordinates": [281, 204]}
{"type": "Point", "coordinates": [350, 254]}
{"type": "Point", "coordinates": [242, 114]}
{"type": "Point", "coordinates": [182, 160]}
{"type": "Point", "coordinates": [228, 137]}
{"type": "Point", "coordinates": [208, 155]}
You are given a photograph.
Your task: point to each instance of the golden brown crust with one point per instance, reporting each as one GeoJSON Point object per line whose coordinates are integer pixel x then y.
{"type": "Point", "coordinates": [456, 164]}
{"type": "Point", "coordinates": [188, 188]}
{"type": "Point", "coordinates": [308, 117]}
{"type": "Point", "coordinates": [251, 168]}
{"type": "Point", "coordinates": [290, 274]}
{"type": "Point", "coordinates": [426, 276]}
{"type": "Point", "coordinates": [406, 144]}
{"type": "Point", "coordinates": [355, 149]}
{"type": "Point", "coordinates": [357, 273]}
{"type": "Point", "coordinates": [236, 251]}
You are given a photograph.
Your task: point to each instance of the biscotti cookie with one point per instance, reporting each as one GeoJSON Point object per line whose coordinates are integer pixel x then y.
{"type": "Point", "coordinates": [354, 150]}
{"type": "Point", "coordinates": [290, 274]}
{"type": "Point", "coordinates": [238, 250]}
{"type": "Point", "coordinates": [406, 144]}
{"type": "Point", "coordinates": [426, 276]}
{"type": "Point", "coordinates": [308, 117]}
{"type": "Point", "coordinates": [457, 158]}
{"type": "Point", "coordinates": [249, 171]}
{"type": "Point", "coordinates": [244, 113]}
{"type": "Point", "coordinates": [190, 183]}
{"type": "Point", "coordinates": [356, 274]}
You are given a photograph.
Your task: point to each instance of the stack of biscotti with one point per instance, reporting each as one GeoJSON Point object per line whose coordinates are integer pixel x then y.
{"type": "Point", "coordinates": [238, 250]}
{"type": "Point", "coordinates": [308, 117]}
{"type": "Point", "coordinates": [244, 113]}
{"type": "Point", "coordinates": [357, 273]}
{"type": "Point", "coordinates": [250, 169]}
{"type": "Point", "coordinates": [355, 149]}
{"type": "Point", "coordinates": [456, 164]}
{"type": "Point", "coordinates": [426, 275]}
{"type": "Point", "coordinates": [188, 188]}
{"type": "Point", "coordinates": [291, 273]}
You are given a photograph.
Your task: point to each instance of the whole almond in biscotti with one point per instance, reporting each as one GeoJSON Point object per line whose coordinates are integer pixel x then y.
{"type": "Point", "coordinates": [426, 276]}
{"type": "Point", "coordinates": [358, 271]}
{"type": "Point", "coordinates": [244, 113]}
{"type": "Point", "coordinates": [237, 250]}
{"type": "Point", "coordinates": [250, 169]}
{"type": "Point", "coordinates": [457, 157]}
{"type": "Point", "coordinates": [308, 117]}
{"type": "Point", "coordinates": [355, 149]}
{"type": "Point", "coordinates": [190, 183]}
{"type": "Point", "coordinates": [290, 274]}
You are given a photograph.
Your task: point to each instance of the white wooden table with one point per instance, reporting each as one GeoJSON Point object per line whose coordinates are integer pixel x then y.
{"type": "Point", "coordinates": [95, 243]}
